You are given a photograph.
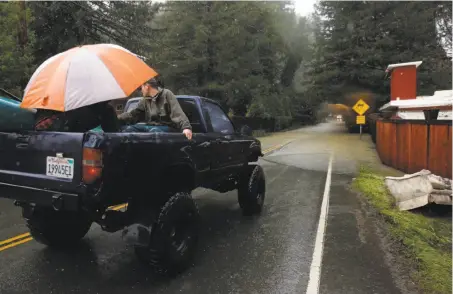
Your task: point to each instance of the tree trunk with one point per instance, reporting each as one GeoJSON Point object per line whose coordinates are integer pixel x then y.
{"type": "Point", "coordinates": [22, 31]}
{"type": "Point", "coordinates": [210, 46]}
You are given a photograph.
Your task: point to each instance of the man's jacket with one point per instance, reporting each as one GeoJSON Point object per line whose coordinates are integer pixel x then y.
{"type": "Point", "coordinates": [164, 109]}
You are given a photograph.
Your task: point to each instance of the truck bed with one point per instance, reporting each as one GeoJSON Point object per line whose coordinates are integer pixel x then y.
{"type": "Point", "coordinates": [38, 167]}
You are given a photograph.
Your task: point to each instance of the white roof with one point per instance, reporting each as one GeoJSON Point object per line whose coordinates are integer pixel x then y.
{"type": "Point", "coordinates": [444, 94]}
{"type": "Point", "coordinates": [433, 101]}
{"type": "Point", "coordinates": [418, 115]}
{"type": "Point", "coordinates": [392, 66]}
{"type": "Point", "coordinates": [448, 94]}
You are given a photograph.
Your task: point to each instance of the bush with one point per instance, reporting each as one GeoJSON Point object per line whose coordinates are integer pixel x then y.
{"type": "Point", "coordinates": [255, 123]}
{"type": "Point", "coordinates": [283, 122]}
{"type": "Point", "coordinates": [259, 133]}
{"type": "Point", "coordinates": [266, 124]}
{"type": "Point", "coordinates": [305, 119]}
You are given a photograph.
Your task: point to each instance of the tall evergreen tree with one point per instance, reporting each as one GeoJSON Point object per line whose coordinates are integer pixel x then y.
{"type": "Point", "coordinates": [66, 24]}
{"type": "Point", "coordinates": [235, 52]}
{"type": "Point", "coordinates": [16, 46]}
{"type": "Point", "coordinates": [356, 41]}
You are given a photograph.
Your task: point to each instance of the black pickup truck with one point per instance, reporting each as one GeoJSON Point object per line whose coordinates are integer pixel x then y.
{"type": "Point", "coordinates": [66, 181]}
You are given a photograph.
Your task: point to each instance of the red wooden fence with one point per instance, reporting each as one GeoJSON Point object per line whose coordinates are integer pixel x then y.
{"type": "Point", "coordinates": [411, 146]}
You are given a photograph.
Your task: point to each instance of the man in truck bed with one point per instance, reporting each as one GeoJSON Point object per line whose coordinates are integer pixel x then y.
{"type": "Point", "coordinates": [158, 106]}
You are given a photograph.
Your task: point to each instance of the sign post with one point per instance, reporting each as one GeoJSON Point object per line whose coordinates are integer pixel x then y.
{"type": "Point", "coordinates": [360, 120]}
{"type": "Point", "coordinates": [360, 108]}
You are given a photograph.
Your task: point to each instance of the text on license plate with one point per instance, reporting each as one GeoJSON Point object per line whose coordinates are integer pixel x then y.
{"type": "Point", "coordinates": [60, 167]}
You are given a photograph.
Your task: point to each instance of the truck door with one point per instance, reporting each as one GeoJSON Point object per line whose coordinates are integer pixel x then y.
{"type": "Point", "coordinates": [201, 148]}
{"type": "Point", "coordinates": [221, 133]}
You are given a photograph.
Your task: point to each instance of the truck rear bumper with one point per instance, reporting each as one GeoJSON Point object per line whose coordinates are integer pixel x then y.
{"type": "Point", "coordinates": [30, 195]}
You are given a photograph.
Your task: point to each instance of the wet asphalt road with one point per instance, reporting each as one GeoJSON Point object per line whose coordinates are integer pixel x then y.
{"type": "Point", "coordinates": [267, 254]}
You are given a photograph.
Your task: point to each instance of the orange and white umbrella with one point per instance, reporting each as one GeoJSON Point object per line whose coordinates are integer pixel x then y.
{"type": "Point", "coordinates": [85, 75]}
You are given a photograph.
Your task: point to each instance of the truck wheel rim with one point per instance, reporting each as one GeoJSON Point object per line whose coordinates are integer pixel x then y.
{"type": "Point", "coordinates": [259, 198]}
{"type": "Point", "coordinates": [178, 238]}
{"type": "Point", "coordinates": [181, 234]}
{"type": "Point", "coordinates": [260, 192]}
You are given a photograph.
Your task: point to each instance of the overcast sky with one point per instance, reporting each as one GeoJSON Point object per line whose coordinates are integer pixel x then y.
{"type": "Point", "coordinates": [304, 7]}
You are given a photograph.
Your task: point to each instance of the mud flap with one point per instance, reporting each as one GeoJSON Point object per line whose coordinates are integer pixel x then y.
{"type": "Point", "coordinates": [137, 235]}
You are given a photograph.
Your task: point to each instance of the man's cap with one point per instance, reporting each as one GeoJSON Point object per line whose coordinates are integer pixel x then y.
{"type": "Point", "coordinates": [153, 83]}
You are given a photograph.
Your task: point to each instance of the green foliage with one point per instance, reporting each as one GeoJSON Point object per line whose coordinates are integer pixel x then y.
{"type": "Point", "coordinates": [243, 54]}
{"type": "Point", "coordinates": [355, 41]}
{"type": "Point", "coordinates": [16, 45]}
{"type": "Point", "coordinates": [238, 53]}
{"type": "Point", "coordinates": [62, 25]}
{"type": "Point", "coordinates": [283, 122]}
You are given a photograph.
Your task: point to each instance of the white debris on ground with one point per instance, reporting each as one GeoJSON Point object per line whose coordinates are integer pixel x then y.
{"type": "Point", "coordinates": [419, 189]}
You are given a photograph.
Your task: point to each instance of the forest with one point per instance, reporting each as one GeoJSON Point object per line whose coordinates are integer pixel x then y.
{"type": "Point", "coordinates": [258, 59]}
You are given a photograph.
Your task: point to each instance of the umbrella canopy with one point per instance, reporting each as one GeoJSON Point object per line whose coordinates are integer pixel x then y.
{"type": "Point", "coordinates": [85, 75]}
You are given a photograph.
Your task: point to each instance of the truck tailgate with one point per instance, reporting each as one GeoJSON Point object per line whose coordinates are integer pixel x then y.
{"type": "Point", "coordinates": [41, 160]}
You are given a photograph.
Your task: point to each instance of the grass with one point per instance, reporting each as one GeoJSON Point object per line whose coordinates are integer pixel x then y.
{"type": "Point", "coordinates": [260, 133]}
{"type": "Point", "coordinates": [426, 241]}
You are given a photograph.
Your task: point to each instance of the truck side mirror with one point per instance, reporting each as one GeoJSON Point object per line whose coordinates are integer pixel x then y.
{"type": "Point", "coordinates": [246, 131]}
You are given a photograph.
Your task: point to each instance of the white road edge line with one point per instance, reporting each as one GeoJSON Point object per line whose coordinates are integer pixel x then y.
{"type": "Point", "coordinates": [315, 268]}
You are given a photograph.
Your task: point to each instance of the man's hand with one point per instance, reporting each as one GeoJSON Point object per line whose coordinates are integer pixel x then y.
{"type": "Point", "coordinates": [188, 133]}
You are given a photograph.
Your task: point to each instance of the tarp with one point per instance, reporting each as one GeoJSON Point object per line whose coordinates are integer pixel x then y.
{"type": "Point", "coordinates": [13, 118]}
{"type": "Point", "coordinates": [419, 189]}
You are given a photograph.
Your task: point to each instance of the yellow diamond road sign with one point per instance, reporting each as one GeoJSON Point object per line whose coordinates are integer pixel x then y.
{"type": "Point", "coordinates": [361, 107]}
{"type": "Point", "coordinates": [360, 120]}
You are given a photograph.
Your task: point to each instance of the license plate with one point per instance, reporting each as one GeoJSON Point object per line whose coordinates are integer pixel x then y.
{"type": "Point", "coordinates": [60, 167]}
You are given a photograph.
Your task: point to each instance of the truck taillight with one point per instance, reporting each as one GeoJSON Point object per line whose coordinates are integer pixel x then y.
{"type": "Point", "coordinates": [92, 165]}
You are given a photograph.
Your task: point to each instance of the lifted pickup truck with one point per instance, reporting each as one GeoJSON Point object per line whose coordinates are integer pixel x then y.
{"type": "Point", "coordinates": [66, 181]}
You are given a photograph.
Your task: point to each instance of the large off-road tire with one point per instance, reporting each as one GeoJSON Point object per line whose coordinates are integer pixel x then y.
{"type": "Point", "coordinates": [174, 236]}
{"type": "Point", "coordinates": [57, 228]}
{"type": "Point", "coordinates": [252, 190]}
